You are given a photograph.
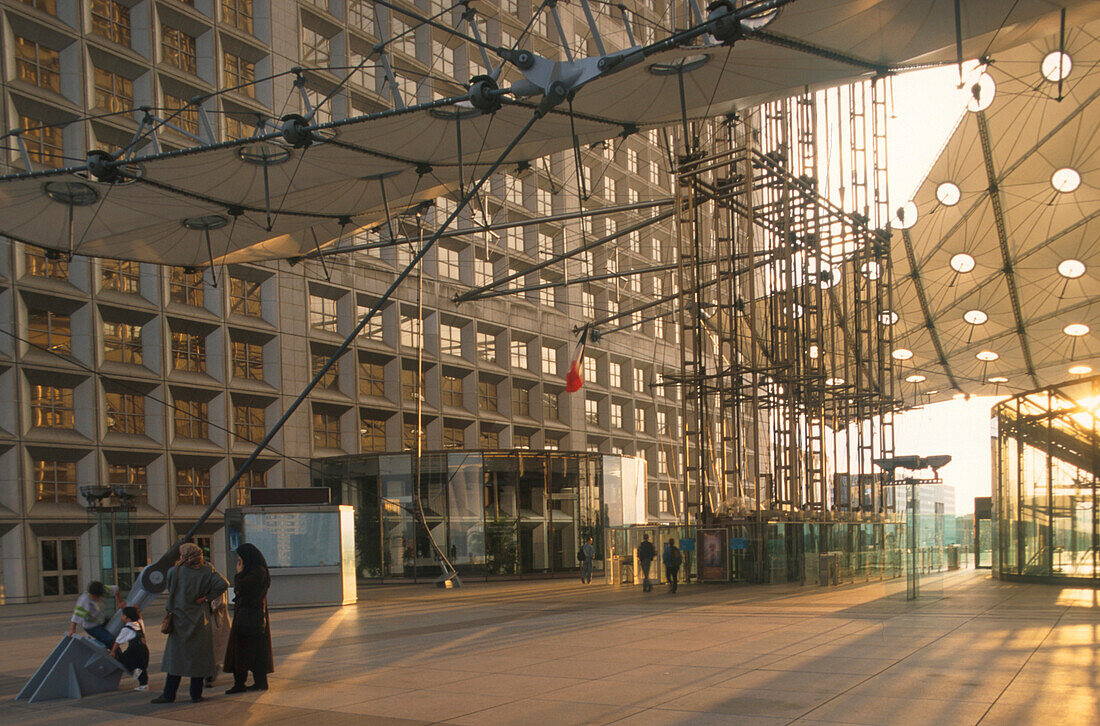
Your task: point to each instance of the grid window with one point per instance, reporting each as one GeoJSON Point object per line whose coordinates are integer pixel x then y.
{"type": "Point", "coordinates": [331, 377]}
{"type": "Point", "coordinates": [412, 385]}
{"type": "Point", "coordinates": [236, 129]}
{"type": "Point", "coordinates": [454, 437]}
{"type": "Point", "coordinates": [54, 481]}
{"type": "Point", "coordinates": [177, 48]}
{"type": "Point", "coordinates": [121, 276]}
{"type": "Point", "coordinates": [616, 416]}
{"type": "Point", "coordinates": [188, 352]}
{"type": "Point", "coordinates": [111, 20]}
{"type": "Point", "coordinates": [662, 468]}
{"type": "Point", "coordinates": [322, 313]}
{"type": "Point", "coordinates": [615, 374]}
{"type": "Point", "coordinates": [486, 347]}
{"type": "Point", "coordinates": [546, 296]}
{"type": "Point", "coordinates": [551, 444]}
{"type": "Point", "coordinates": [245, 297]}
{"type": "Point", "coordinates": [44, 143]}
{"type": "Point", "coordinates": [38, 65]}
{"type": "Point", "coordinates": [658, 287]}
{"type": "Point", "coordinates": [450, 339]}
{"type": "Point", "coordinates": [372, 379]}
{"type": "Point", "coordinates": [662, 493]}
{"type": "Point", "coordinates": [549, 360]}
{"type": "Point", "coordinates": [521, 441]}
{"type": "Point", "coordinates": [444, 60]}
{"type": "Point", "coordinates": [632, 161]}
{"type": "Point", "coordinates": [185, 287]}
{"type": "Point", "coordinates": [543, 201]}
{"type": "Point", "coordinates": [238, 13]}
{"type": "Point", "coordinates": [513, 189]}
{"type": "Point", "coordinates": [252, 478]}
{"type": "Point", "coordinates": [448, 263]}
{"type": "Point", "coordinates": [639, 420]}
{"type": "Point", "coordinates": [411, 331]}
{"type": "Point", "coordinates": [248, 360]}
{"type": "Point", "coordinates": [46, 6]}
{"type": "Point", "coordinates": [489, 439]}
{"type": "Point", "coordinates": [248, 423]}
{"type": "Point", "coordinates": [125, 413]}
{"type": "Point", "coordinates": [122, 343]}
{"type": "Point", "coordinates": [521, 401]}
{"type": "Point", "coordinates": [192, 485]}
{"type": "Point", "coordinates": [326, 430]}
{"type": "Point", "coordinates": [588, 304]}
{"type": "Point", "coordinates": [659, 328]}
{"type": "Point", "coordinates": [51, 407]}
{"type": "Point", "coordinates": [372, 433]}
{"type": "Point", "coordinates": [452, 391]}
{"type": "Point", "coordinates": [113, 92]}
{"type": "Point", "coordinates": [483, 271]}
{"type": "Point", "coordinates": [47, 330]}
{"type": "Point", "coordinates": [134, 477]}
{"type": "Point", "coordinates": [487, 396]}
{"type": "Point", "coordinates": [189, 416]}
{"type": "Point", "coordinates": [316, 48]}
{"type": "Point", "coordinates": [639, 380]}
{"type": "Point", "coordinates": [592, 411]}
{"type": "Point", "coordinates": [550, 405]}
{"type": "Point", "coordinates": [590, 369]}
{"type": "Point", "coordinates": [518, 353]}
{"type": "Point", "coordinates": [373, 329]}
{"type": "Point", "coordinates": [240, 75]}
{"type": "Point", "coordinates": [662, 422]}
{"type": "Point", "coordinates": [361, 15]}
{"type": "Point", "coordinates": [546, 246]}
{"type": "Point", "coordinates": [403, 37]}
{"type": "Point", "coordinates": [409, 434]}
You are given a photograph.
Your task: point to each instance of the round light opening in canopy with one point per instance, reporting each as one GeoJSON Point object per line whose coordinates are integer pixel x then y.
{"type": "Point", "coordinates": [981, 94]}
{"type": "Point", "coordinates": [962, 262]}
{"type": "Point", "coordinates": [902, 354]}
{"type": "Point", "coordinates": [987, 356]}
{"type": "Point", "coordinates": [206, 223]}
{"type": "Point", "coordinates": [834, 381]}
{"type": "Point", "coordinates": [916, 378]}
{"type": "Point", "coordinates": [998, 379]}
{"type": "Point", "coordinates": [1071, 269]}
{"type": "Point", "coordinates": [975, 317]}
{"type": "Point", "coordinates": [1065, 180]}
{"type": "Point", "coordinates": [264, 153]}
{"type": "Point", "coordinates": [73, 194]}
{"type": "Point", "coordinates": [680, 65]}
{"type": "Point", "coordinates": [871, 270]}
{"type": "Point", "coordinates": [1056, 66]}
{"type": "Point", "coordinates": [1076, 329]}
{"type": "Point", "coordinates": [905, 216]}
{"type": "Point", "coordinates": [948, 193]}
{"type": "Point", "coordinates": [815, 352]}
{"type": "Point", "coordinates": [887, 317]}
{"type": "Point", "coordinates": [1080, 370]}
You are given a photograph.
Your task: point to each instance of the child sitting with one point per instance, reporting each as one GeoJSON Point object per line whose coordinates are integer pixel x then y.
{"type": "Point", "coordinates": [89, 612]}
{"type": "Point", "coordinates": [136, 655]}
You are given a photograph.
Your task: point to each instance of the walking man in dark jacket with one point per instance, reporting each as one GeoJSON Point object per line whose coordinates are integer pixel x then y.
{"type": "Point", "coordinates": [672, 561]}
{"type": "Point", "coordinates": [588, 551]}
{"type": "Point", "coordinates": [646, 554]}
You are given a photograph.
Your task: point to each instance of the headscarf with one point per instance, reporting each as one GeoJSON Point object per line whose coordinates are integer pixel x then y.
{"type": "Point", "coordinates": [251, 557]}
{"type": "Point", "coordinates": [191, 555]}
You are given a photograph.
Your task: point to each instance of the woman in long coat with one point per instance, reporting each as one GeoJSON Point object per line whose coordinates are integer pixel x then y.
{"type": "Point", "coordinates": [189, 652]}
{"type": "Point", "coordinates": [249, 646]}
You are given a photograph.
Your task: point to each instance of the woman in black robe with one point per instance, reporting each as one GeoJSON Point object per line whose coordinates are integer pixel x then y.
{"type": "Point", "coordinates": [249, 647]}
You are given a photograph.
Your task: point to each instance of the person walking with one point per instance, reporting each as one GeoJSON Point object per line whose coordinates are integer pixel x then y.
{"type": "Point", "coordinates": [588, 551]}
{"type": "Point", "coordinates": [192, 585]}
{"type": "Point", "coordinates": [90, 615]}
{"type": "Point", "coordinates": [249, 647]}
{"type": "Point", "coordinates": [646, 554]}
{"type": "Point", "coordinates": [672, 560]}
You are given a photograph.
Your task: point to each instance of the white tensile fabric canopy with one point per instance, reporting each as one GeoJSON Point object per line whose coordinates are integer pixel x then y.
{"type": "Point", "coordinates": [226, 203]}
{"type": "Point", "coordinates": [996, 277]}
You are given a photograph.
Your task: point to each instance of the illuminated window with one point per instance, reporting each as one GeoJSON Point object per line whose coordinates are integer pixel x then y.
{"type": "Point", "coordinates": [240, 75]}
{"type": "Point", "coordinates": [121, 276]}
{"type": "Point", "coordinates": [177, 48]}
{"type": "Point", "coordinates": [615, 375]}
{"type": "Point", "coordinates": [315, 48]}
{"type": "Point", "coordinates": [248, 423]}
{"type": "Point", "coordinates": [43, 143]}
{"type": "Point", "coordinates": [192, 485]}
{"type": "Point", "coordinates": [486, 347]}
{"type": "Point", "coordinates": [372, 433]}
{"type": "Point", "coordinates": [111, 20]}
{"type": "Point", "coordinates": [326, 430]}
{"type": "Point", "coordinates": [450, 339]}
{"type": "Point", "coordinates": [483, 272]}
{"type": "Point", "coordinates": [238, 13]}
{"type": "Point", "coordinates": [54, 481]}
{"type": "Point", "coordinates": [190, 419]}
{"type": "Point", "coordinates": [372, 379]}
{"type": "Point", "coordinates": [134, 477]}
{"type": "Point", "coordinates": [639, 420]}
{"type": "Point", "coordinates": [543, 202]}
{"type": "Point", "coordinates": [409, 436]}
{"type": "Point", "coordinates": [252, 478]}
{"type": "Point", "coordinates": [487, 396]}
{"type": "Point", "coordinates": [616, 416]}
{"type": "Point", "coordinates": [112, 91]}
{"type": "Point", "coordinates": [51, 407]}
{"type": "Point", "coordinates": [448, 263]}
{"type": "Point", "coordinates": [38, 65]}
{"type": "Point", "coordinates": [639, 380]}
{"type": "Point", "coordinates": [549, 360]}
{"type": "Point", "coordinates": [518, 351]}
{"type": "Point", "coordinates": [662, 422]}
{"type": "Point", "coordinates": [47, 330]}
{"type": "Point", "coordinates": [331, 377]}
{"type": "Point", "coordinates": [412, 386]}
{"type": "Point", "coordinates": [322, 313]}
{"type": "Point", "coordinates": [46, 6]}
{"type": "Point", "coordinates": [245, 297]}
{"type": "Point", "coordinates": [454, 437]}
{"type": "Point", "coordinates": [125, 412]}
{"type": "Point", "coordinates": [402, 37]}
{"type": "Point", "coordinates": [373, 329]}
{"type": "Point", "coordinates": [188, 352]}
{"type": "Point", "coordinates": [248, 360]}
{"type": "Point", "coordinates": [588, 304]}
{"type": "Point", "coordinates": [452, 391]}
{"type": "Point", "coordinates": [185, 288]}
{"type": "Point", "coordinates": [592, 411]}
{"type": "Point", "coordinates": [521, 401]}
{"type": "Point", "coordinates": [589, 369]}
{"type": "Point", "coordinates": [361, 15]}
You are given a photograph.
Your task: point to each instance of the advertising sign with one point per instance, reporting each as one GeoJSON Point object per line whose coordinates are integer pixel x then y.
{"type": "Point", "coordinates": [713, 556]}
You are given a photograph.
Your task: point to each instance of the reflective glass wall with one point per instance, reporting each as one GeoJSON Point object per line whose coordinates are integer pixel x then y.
{"type": "Point", "coordinates": [492, 513]}
{"type": "Point", "coordinates": [1045, 486]}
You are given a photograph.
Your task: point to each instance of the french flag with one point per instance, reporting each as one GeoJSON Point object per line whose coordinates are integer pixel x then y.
{"type": "Point", "coordinates": [573, 379]}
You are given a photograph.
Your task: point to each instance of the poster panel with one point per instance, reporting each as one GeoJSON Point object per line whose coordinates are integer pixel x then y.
{"type": "Point", "coordinates": [713, 556]}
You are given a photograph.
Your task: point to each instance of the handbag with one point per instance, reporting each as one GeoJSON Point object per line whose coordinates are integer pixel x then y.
{"type": "Point", "coordinates": [167, 625]}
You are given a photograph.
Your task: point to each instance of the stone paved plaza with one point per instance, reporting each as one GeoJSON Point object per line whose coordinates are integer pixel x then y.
{"type": "Point", "coordinates": [556, 652]}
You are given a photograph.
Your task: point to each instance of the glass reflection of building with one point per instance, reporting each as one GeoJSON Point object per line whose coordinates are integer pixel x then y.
{"type": "Point", "coordinates": [493, 513]}
{"type": "Point", "coordinates": [1047, 450]}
